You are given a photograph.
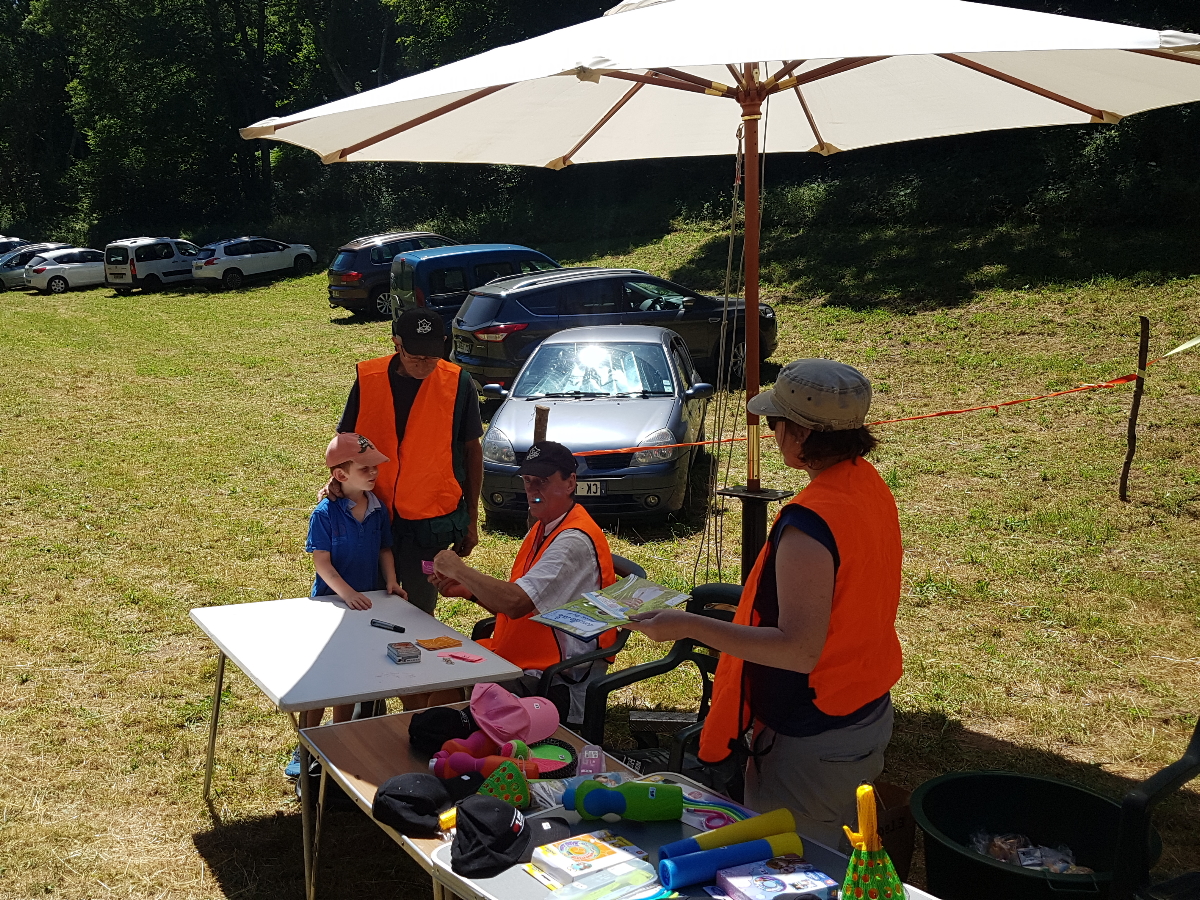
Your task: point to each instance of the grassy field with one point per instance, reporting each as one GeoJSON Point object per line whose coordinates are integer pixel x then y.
{"type": "Point", "coordinates": [161, 452]}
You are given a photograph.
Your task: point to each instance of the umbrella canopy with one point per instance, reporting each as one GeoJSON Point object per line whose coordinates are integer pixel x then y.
{"type": "Point", "coordinates": [666, 78]}
{"type": "Point", "coordinates": [652, 80]}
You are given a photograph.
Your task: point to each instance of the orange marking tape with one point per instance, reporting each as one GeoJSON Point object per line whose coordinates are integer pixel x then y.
{"type": "Point", "coordinates": [1115, 382]}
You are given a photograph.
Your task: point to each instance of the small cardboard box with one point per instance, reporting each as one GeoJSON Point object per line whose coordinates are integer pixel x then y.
{"type": "Point", "coordinates": [573, 857]}
{"type": "Point", "coordinates": [786, 877]}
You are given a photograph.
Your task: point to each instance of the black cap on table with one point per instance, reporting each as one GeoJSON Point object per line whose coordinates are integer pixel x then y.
{"type": "Point", "coordinates": [490, 836]}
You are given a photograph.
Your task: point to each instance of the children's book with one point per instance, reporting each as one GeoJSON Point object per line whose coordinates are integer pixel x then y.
{"type": "Point", "coordinates": [597, 611]}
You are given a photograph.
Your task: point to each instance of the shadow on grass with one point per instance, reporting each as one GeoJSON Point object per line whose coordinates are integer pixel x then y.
{"type": "Point", "coordinates": [913, 268]}
{"type": "Point", "coordinates": [263, 858]}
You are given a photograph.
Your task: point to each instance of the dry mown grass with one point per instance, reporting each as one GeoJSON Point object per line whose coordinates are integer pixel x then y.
{"type": "Point", "coordinates": [161, 453]}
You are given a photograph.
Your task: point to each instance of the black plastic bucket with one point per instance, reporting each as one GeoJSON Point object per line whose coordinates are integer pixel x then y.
{"type": "Point", "coordinates": [950, 808]}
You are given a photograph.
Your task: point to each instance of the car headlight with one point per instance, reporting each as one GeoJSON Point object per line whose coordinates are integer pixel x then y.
{"type": "Point", "coordinates": [498, 448]}
{"type": "Point", "coordinates": [657, 453]}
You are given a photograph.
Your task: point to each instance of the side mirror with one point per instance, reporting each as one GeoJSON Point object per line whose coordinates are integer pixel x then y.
{"type": "Point", "coordinates": [494, 392]}
{"type": "Point", "coordinates": [701, 390]}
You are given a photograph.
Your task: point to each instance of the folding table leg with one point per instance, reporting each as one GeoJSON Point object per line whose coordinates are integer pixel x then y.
{"type": "Point", "coordinates": [212, 724]}
{"type": "Point", "coordinates": [307, 824]}
{"type": "Point", "coordinates": [316, 842]}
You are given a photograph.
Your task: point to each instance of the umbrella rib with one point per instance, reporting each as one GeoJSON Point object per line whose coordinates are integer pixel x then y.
{"type": "Point", "coordinates": [1024, 85]}
{"type": "Point", "coordinates": [1161, 54]}
{"type": "Point", "coordinates": [788, 69]}
{"type": "Point", "coordinates": [694, 79]}
{"type": "Point", "coordinates": [420, 120]}
{"type": "Point", "coordinates": [660, 81]}
{"type": "Point", "coordinates": [737, 76]}
{"type": "Point", "coordinates": [833, 68]}
{"type": "Point", "coordinates": [565, 159]}
{"type": "Point", "coordinates": [812, 123]}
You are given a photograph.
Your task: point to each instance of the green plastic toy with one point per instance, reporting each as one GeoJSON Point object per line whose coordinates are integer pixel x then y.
{"type": "Point", "coordinates": [870, 874]}
{"type": "Point", "coordinates": [633, 800]}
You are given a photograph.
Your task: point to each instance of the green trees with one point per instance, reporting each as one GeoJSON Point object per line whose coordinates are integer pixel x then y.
{"type": "Point", "coordinates": [121, 117]}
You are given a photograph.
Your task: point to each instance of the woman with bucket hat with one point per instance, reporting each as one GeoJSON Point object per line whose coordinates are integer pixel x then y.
{"type": "Point", "coordinates": [809, 660]}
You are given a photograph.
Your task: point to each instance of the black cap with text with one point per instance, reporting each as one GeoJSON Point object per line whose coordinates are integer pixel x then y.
{"type": "Point", "coordinates": [547, 457]}
{"type": "Point", "coordinates": [420, 331]}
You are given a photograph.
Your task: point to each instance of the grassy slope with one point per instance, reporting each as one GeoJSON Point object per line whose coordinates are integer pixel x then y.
{"type": "Point", "coordinates": [161, 453]}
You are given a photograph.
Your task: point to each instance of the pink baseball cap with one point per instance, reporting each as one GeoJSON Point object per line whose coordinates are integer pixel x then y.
{"type": "Point", "coordinates": [351, 447]}
{"type": "Point", "coordinates": [503, 716]}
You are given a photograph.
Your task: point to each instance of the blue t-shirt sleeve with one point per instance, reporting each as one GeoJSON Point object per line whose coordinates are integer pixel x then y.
{"type": "Point", "coordinates": [320, 536]}
{"type": "Point", "coordinates": [385, 533]}
{"type": "Point", "coordinates": [804, 519]}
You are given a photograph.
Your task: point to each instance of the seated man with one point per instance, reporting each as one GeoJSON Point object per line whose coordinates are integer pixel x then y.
{"type": "Point", "coordinates": [564, 555]}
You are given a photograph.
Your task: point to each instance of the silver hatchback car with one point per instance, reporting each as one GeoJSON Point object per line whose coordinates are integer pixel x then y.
{"type": "Point", "coordinates": [608, 388]}
{"type": "Point", "coordinates": [12, 263]}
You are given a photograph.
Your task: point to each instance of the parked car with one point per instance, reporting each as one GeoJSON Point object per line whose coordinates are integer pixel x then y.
{"type": "Point", "coordinates": [440, 278]}
{"type": "Point", "coordinates": [500, 324]}
{"type": "Point", "coordinates": [56, 271]}
{"type": "Point", "coordinates": [11, 243]}
{"type": "Point", "coordinates": [231, 262]}
{"type": "Point", "coordinates": [148, 263]}
{"type": "Point", "coordinates": [607, 388]}
{"type": "Point", "coordinates": [12, 263]}
{"type": "Point", "coordinates": [360, 274]}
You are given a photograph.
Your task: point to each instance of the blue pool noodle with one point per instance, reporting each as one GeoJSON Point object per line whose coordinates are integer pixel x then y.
{"type": "Point", "coordinates": [701, 868]}
{"type": "Point", "coordinates": [679, 848]}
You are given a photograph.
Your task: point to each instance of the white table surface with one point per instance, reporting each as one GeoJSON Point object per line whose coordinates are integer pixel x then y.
{"type": "Point", "coordinates": [310, 652]}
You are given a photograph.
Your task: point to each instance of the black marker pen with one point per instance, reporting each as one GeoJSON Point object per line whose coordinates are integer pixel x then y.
{"type": "Point", "coordinates": [386, 626]}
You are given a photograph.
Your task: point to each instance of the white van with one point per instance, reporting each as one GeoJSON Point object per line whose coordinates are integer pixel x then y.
{"type": "Point", "coordinates": [148, 263]}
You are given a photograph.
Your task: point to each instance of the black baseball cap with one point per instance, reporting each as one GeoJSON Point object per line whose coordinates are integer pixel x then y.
{"type": "Point", "coordinates": [547, 457]}
{"type": "Point", "coordinates": [411, 802]}
{"type": "Point", "coordinates": [420, 331]}
{"type": "Point", "coordinates": [430, 728]}
{"type": "Point", "coordinates": [491, 836]}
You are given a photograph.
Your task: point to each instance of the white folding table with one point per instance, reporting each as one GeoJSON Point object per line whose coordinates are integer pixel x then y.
{"type": "Point", "coordinates": [310, 652]}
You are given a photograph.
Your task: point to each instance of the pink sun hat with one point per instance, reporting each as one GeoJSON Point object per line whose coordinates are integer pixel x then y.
{"type": "Point", "coordinates": [503, 716]}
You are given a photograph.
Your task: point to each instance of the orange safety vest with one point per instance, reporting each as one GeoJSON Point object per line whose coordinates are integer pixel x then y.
{"type": "Point", "coordinates": [417, 481]}
{"type": "Point", "coordinates": [862, 658]}
{"type": "Point", "coordinates": [532, 645]}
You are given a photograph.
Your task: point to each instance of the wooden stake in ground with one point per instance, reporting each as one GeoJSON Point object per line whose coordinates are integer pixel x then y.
{"type": "Point", "coordinates": [1143, 355]}
{"type": "Point", "coordinates": [541, 419]}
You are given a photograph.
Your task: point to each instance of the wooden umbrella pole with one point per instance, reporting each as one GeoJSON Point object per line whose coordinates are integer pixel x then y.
{"type": "Point", "coordinates": [751, 114]}
{"type": "Point", "coordinates": [753, 498]}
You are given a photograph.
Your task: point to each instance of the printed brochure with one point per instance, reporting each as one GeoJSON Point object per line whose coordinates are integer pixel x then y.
{"type": "Point", "coordinates": [597, 611]}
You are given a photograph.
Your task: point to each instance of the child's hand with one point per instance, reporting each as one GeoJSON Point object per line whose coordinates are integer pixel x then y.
{"type": "Point", "coordinates": [358, 601]}
{"type": "Point", "coordinates": [393, 588]}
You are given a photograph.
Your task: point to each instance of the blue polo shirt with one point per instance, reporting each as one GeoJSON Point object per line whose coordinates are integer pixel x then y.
{"type": "Point", "coordinates": [353, 545]}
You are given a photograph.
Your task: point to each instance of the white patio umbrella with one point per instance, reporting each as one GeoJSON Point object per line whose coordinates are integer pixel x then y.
{"type": "Point", "coordinates": [668, 78]}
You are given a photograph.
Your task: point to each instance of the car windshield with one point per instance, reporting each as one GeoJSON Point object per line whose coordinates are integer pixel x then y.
{"type": "Point", "coordinates": [596, 370]}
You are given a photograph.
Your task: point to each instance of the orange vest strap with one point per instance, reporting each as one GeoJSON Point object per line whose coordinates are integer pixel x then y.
{"type": "Point", "coordinates": [417, 481]}
{"type": "Point", "coordinates": [532, 645]}
{"type": "Point", "coordinates": [862, 657]}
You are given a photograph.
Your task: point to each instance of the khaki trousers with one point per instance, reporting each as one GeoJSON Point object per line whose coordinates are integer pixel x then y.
{"type": "Point", "coordinates": [816, 777]}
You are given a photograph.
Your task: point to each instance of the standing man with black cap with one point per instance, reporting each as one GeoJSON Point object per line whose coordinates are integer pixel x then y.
{"type": "Point", "coordinates": [423, 414]}
{"type": "Point", "coordinates": [564, 555]}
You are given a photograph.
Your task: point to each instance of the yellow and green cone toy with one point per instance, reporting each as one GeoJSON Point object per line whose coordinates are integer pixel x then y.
{"type": "Point", "coordinates": [870, 874]}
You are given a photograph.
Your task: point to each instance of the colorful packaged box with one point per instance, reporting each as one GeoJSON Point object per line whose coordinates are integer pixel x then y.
{"type": "Point", "coordinates": [568, 859]}
{"type": "Point", "coordinates": [782, 878]}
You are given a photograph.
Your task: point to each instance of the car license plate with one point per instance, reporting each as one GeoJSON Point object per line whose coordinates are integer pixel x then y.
{"type": "Point", "coordinates": [589, 488]}
{"type": "Point", "coordinates": [462, 345]}
{"type": "Point", "coordinates": [115, 275]}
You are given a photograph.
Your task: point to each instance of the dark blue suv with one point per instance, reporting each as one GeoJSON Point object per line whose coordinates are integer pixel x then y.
{"type": "Point", "coordinates": [440, 278]}
{"type": "Point", "coordinates": [501, 323]}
